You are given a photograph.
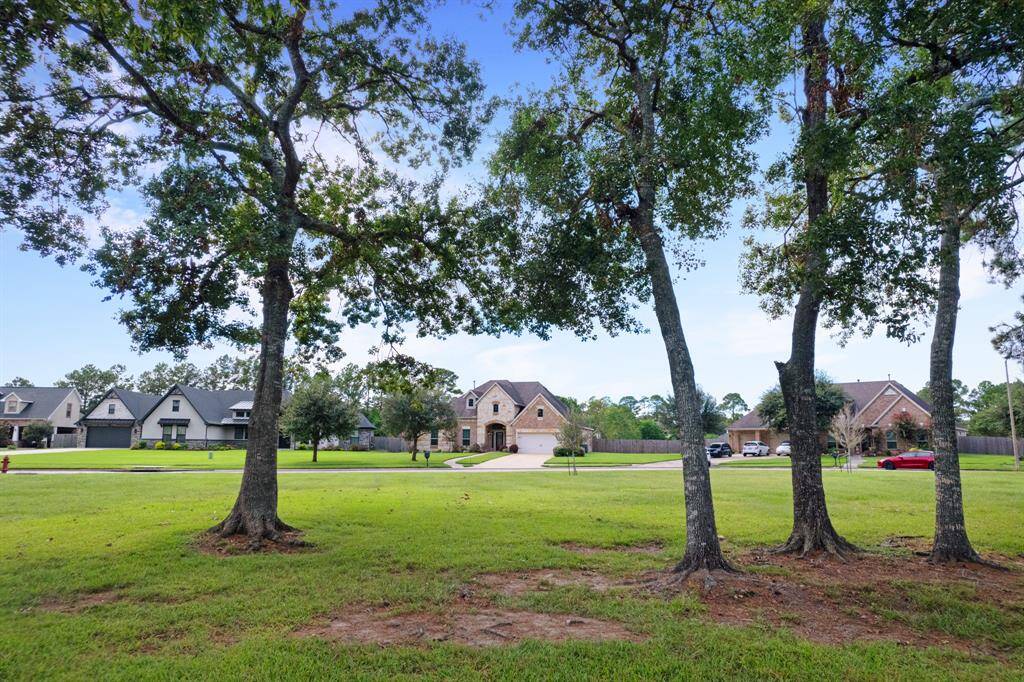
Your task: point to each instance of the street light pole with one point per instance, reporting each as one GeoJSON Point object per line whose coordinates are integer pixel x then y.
{"type": "Point", "coordinates": [1013, 421]}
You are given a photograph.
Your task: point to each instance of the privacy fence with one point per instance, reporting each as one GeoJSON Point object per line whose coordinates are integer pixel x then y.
{"type": "Point", "coordinates": [988, 445]}
{"type": "Point", "coordinates": [390, 444]}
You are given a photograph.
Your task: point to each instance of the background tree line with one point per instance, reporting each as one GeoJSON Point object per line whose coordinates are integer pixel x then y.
{"type": "Point", "coordinates": [654, 417]}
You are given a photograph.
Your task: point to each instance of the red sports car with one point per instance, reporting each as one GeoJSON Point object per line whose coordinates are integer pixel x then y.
{"type": "Point", "coordinates": [915, 459]}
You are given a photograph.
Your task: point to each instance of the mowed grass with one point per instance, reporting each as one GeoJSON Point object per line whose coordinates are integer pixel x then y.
{"type": "Point", "coordinates": [967, 462]}
{"type": "Point", "coordinates": [604, 459]}
{"type": "Point", "coordinates": [481, 458]}
{"type": "Point", "coordinates": [411, 542]}
{"type": "Point", "coordinates": [222, 459]}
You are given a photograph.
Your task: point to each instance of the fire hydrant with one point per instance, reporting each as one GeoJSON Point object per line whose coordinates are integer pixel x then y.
{"type": "Point", "coordinates": [5, 464]}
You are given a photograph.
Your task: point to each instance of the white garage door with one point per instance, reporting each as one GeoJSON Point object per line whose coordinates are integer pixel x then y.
{"type": "Point", "coordinates": [536, 443]}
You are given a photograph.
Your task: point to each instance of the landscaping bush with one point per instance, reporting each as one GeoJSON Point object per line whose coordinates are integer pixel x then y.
{"type": "Point", "coordinates": [568, 452]}
{"type": "Point", "coordinates": [356, 447]}
{"type": "Point", "coordinates": [177, 446]}
{"type": "Point", "coordinates": [6, 430]}
{"type": "Point", "coordinates": [303, 446]}
{"type": "Point", "coordinates": [159, 445]}
{"type": "Point", "coordinates": [142, 445]}
{"type": "Point", "coordinates": [475, 447]}
{"type": "Point", "coordinates": [223, 446]}
{"type": "Point", "coordinates": [513, 448]}
{"type": "Point", "coordinates": [36, 434]}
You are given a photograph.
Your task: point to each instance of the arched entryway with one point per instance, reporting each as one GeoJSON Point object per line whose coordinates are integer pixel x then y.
{"type": "Point", "coordinates": [494, 436]}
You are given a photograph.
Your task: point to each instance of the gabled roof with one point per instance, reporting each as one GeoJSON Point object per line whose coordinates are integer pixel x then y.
{"type": "Point", "coordinates": [860, 393]}
{"type": "Point", "coordinates": [42, 400]}
{"type": "Point", "coordinates": [212, 406]}
{"type": "Point", "coordinates": [137, 403]}
{"type": "Point", "coordinates": [365, 423]}
{"type": "Point", "coordinates": [521, 392]}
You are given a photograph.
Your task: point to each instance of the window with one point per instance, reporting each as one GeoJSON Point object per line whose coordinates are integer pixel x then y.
{"type": "Point", "coordinates": [433, 438]}
{"type": "Point", "coordinates": [471, 402]}
{"type": "Point", "coordinates": [11, 406]}
{"type": "Point", "coordinates": [181, 433]}
{"type": "Point", "coordinates": [465, 438]}
{"type": "Point", "coordinates": [494, 408]}
{"type": "Point", "coordinates": [175, 406]}
{"type": "Point", "coordinates": [922, 439]}
{"type": "Point", "coordinates": [67, 411]}
{"type": "Point", "coordinates": [167, 433]}
{"type": "Point", "coordinates": [110, 408]}
{"type": "Point", "coordinates": [832, 444]}
{"type": "Point", "coordinates": [540, 413]}
{"type": "Point", "coordinates": [890, 440]}
{"type": "Point", "coordinates": [241, 433]}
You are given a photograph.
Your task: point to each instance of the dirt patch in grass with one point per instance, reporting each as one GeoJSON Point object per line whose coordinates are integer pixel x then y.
{"type": "Point", "coordinates": [830, 601]}
{"type": "Point", "coordinates": [233, 545]}
{"type": "Point", "coordinates": [587, 550]}
{"type": "Point", "coordinates": [518, 583]}
{"type": "Point", "coordinates": [79, 602]}
{"type": "Point", "coordinates": [469, 626]}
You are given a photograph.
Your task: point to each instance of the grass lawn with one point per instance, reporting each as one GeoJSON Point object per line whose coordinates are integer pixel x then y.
{"type": "Point", "coordinates": [967, 462]}
{"type": "Point", "coordinates": [605, 459]}
{"type": "Point", "coordinates": [225, 459]}
{"type": "Point", "coordinates": [99, 577]}
{"type": "Point", "coordinates": [481, 458]}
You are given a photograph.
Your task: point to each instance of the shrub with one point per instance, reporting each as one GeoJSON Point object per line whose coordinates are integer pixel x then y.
{"type": "Point", "coordinates": [560, 451]}
{"type": "Point", "coordinates": [177, 446]}
{"type": "Point", "coordinates": [475, 447]}
{"type": "Point", "coordinates": [513, 448]}
{"type": "Point", "coordinates": [356, 447]}
{"type": "Point", "coordinates": [223, 446]}
{"type": "Point", "coordinates": [160, 445]}
{"type": "Point", "coordinates": [302, 446]}
{"type": "Point", "coordinates": [142, 445]}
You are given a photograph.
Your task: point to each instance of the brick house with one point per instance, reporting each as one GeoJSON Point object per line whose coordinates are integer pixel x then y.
{"type": "Point", "coordinates": [877, 405]}
{"type": "Point", "coordinates": [500, 413]}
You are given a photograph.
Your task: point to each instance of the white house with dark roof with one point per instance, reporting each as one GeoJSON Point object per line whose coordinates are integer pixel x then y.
{"type": "Point", "coordinates": [200, 418]}
{"type": "Point", "coordinates": [500, 413]}
{"type": "Point", "coordinates": [24, 405]}
{"type": "Point", "coordinates": [116, 420]}
{"type": "Point", "coordinates": [877, 405]}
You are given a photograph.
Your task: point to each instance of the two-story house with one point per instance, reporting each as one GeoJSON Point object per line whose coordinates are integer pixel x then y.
{"type": "Point", "coordinates": [24, 405]}
{"type": "Point", "coordinates": [500, 413]}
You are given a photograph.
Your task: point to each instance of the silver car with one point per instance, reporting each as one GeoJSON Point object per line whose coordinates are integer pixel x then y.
{"type": "Point", "coordinates": [784, 449]}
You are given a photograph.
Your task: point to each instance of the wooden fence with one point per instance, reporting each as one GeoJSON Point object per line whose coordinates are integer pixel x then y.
{"type": "Point", "coordinates": [988, 445]}
{"type": "Point", "coordinates": [636, 446]}
{"type": "Point", "coordinates": [390, 444]}
{"type": "Point", "coordinates": [64, 440]}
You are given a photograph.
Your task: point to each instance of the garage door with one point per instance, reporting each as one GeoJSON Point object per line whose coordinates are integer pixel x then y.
{"type": "Point", "coordinates": [536, 443]}
{"type": "Point", "coordinates": [108, 437]}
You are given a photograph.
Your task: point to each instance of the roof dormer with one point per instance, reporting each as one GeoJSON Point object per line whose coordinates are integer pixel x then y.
{"type": "Point", "coordinates": [13, 404]}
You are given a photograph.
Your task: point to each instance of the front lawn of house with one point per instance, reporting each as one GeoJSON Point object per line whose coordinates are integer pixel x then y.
{"type": "Point", "coordinates": [606, 459]}
{"type": "Point", "coordinates": [222, 459]}
{"type": "Point", "coordinates": [481, 458]}
{"type": "Point", "coordinates": [100, 578]}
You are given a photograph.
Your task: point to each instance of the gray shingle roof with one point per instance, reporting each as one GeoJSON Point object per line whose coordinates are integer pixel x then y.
{"type": "Point", "coordinates": [859, 392]}
{"type": "Point", "coordinates": [365, 423]}
{"type": "Point", "coordinates": [43, 400]}
{"type": "Point", "coordinates": [522, 392]}
{"type": "Point", "coordinates": [137, 403]}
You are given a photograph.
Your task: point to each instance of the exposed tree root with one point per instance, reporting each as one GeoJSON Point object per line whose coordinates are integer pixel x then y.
{"type": "Point", "coordinates": [803, 542]}
{"type": "Point", "coordinates": [951, 555]}
{"type": "Point", "coordinates": [258, 529]}
{"type": "Point", "coordinates": [708, 564]}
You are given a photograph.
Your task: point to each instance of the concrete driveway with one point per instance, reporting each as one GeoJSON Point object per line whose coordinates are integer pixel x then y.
{"type": "Point", "coordinates": [516, 461]}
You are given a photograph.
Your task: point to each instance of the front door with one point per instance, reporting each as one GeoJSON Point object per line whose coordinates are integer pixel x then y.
{"type": "Point", "coordinates": [499, 439]}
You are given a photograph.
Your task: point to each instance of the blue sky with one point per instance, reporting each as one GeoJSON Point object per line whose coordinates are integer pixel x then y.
{"type": "Point", "coordinates": [52, 320]}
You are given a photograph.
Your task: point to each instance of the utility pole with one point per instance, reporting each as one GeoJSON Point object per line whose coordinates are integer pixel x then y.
{"type": "Point", "coordinates": [1013, 421]}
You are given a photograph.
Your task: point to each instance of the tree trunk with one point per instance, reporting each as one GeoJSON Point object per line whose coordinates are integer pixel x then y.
{"type": "Point", "coordinates": [255, 510]}
{"type": "Point", "coordinates": [413, 450]}
{"type": "Point", "coordinates": [703, 551]}
{"type": "Point", "coordinates": [812, 527]}
{"type": "Point", "coordinates": [316, 447]}
{"type": "Point", "coordinates": [951, 542]}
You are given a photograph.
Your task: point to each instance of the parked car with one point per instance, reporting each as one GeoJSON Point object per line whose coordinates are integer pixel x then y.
{"type": "Point", "coordinates": [784, 449]}
{"type": "Point", "coordinates": [755, 448]}
{"type": "Point", "coordinates": [718, 450]}
{"type": "Point", "coordinates": [914, 459]}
